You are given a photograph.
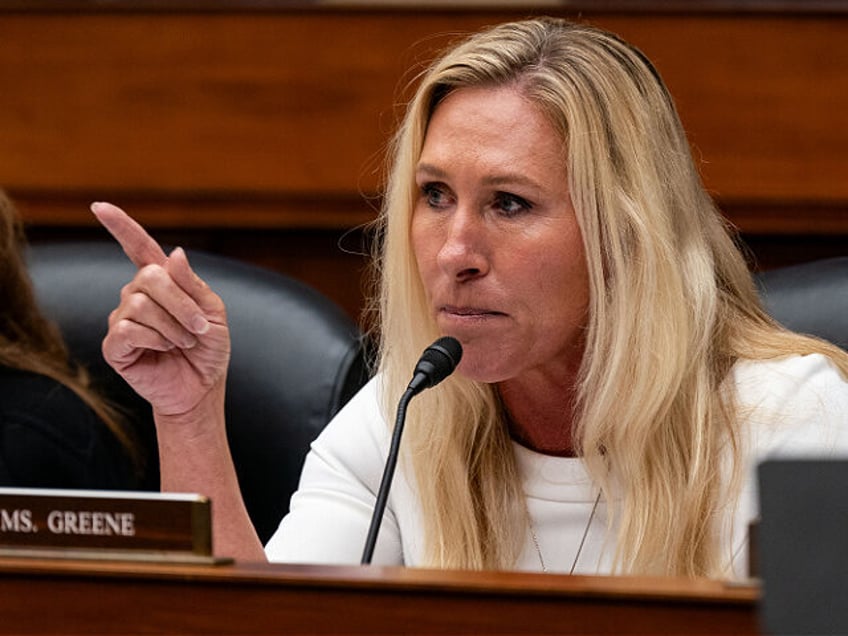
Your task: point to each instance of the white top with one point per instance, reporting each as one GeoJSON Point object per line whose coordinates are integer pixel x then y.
{"type": "Point", "coordinates": [795, 406]}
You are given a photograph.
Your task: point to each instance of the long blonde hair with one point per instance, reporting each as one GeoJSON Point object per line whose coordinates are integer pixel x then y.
{"type": "Point", "coordinates": [672, 307]}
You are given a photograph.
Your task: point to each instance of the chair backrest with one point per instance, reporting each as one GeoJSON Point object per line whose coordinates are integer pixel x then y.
{"type": "Point", "coordinates": [296, 359]}
{"type": "Point", "coordinates": [810, 298]}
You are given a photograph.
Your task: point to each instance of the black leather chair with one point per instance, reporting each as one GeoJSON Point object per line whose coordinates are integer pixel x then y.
{"type": "Point", "coordinates": [296, 359]}
{"type": "Point", "coordinates": [810, 298]}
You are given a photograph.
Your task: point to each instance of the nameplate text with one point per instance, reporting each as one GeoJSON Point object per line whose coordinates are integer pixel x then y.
{"type": "Point", "coordinates": [132, 524]}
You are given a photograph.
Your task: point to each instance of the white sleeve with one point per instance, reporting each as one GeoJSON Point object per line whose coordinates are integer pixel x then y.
{"type": "Point", "coordinates": [799, 407]}
{"type": "Point", "coordinates": [331, 511]}
{"type": "Point", "coordinates": [793, 407]}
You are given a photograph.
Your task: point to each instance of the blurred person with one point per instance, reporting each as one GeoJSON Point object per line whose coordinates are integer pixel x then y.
{"type": "Point", "coordinates": [56, 431]}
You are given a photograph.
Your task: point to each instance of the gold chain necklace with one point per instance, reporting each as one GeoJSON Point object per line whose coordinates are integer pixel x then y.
{"type": "Point", "coordinates": [579, 547]}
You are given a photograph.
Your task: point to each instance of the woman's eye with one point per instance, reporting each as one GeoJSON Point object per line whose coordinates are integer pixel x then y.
{"type": "Point", "coordinates": [510, 204]}
{"type": "Point", "coordinates": [435, 195]}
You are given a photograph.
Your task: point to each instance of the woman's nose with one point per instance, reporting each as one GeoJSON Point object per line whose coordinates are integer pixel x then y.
{"type": "Point", "coordinates": [463, 254]}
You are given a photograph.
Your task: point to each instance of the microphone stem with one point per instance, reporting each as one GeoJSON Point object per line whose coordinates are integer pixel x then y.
{"type": "Point", "coordinates": [388, 473]}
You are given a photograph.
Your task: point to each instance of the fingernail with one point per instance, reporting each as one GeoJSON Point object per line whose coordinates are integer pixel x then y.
{"type": "Point", "coordinates": [199, 324]}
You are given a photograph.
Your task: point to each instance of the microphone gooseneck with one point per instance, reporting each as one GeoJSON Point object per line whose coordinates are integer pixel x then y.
{"type": "Point", "coordinates": [436, 363]}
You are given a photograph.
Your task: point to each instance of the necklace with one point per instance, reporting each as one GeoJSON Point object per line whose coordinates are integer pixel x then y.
{"type": "Point", "coordinates": [579, 547]}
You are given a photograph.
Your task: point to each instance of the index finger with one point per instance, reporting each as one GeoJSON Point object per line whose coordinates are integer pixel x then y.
{"type": "Point", "coordinates": [138, 245]}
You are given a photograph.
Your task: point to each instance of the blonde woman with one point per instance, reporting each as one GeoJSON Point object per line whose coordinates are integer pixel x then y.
{"type": "Point", "coordinates": [619, 379]}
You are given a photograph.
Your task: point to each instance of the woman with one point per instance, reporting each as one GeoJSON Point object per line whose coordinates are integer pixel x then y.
{"type": "Point", "coordinates": [619, 379]}
{"type": "Point", "coordinates": [57, 432]}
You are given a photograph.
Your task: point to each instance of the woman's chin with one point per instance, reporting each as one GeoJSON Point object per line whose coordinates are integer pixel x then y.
{"type": "Point", "coordinates": [482, 369]}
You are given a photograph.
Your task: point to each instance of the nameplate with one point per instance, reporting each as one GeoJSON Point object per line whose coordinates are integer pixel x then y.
{"type": "Point", "coordinates": [100, 524]}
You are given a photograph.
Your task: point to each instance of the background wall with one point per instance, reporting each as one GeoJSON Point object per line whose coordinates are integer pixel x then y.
{"type": "Point", "coordinates": [257, 129]}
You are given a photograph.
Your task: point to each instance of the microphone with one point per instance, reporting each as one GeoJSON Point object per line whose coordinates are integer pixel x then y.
{"type": "Point", "coordinates": [436, 363]}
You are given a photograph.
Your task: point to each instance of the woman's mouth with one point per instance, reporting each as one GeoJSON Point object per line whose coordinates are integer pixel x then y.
{"type": "Point", "coordinates": [468, 313]}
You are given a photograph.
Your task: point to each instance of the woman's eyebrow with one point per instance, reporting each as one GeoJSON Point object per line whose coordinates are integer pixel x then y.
{"type": "Point", "coordinates": [512, 178]}
{"type": "Point", "coordinates": [508, 178]}
{"type": "Point", "coordinates": [428, 169]}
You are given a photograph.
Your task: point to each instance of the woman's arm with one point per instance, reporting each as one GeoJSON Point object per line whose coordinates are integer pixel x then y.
{"type": "Point", "coordinates": [168, 338]}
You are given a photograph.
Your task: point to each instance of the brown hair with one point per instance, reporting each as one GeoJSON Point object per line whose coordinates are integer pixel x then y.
{"type": "Point", "coordinates": [30, 342]}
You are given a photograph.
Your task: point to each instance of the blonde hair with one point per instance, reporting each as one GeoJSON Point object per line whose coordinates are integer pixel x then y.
{"type": "Point", "coordinates": [30, 342]}
{"type": "Point", "coordinates": [672, 307]}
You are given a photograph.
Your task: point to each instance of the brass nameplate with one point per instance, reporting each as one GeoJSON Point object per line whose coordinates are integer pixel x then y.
{"type": "Point", "coordinates": [100, 524]}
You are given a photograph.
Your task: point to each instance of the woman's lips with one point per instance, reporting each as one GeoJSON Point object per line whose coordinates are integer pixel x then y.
{"type": "Point", "coordinates": [468, 313]}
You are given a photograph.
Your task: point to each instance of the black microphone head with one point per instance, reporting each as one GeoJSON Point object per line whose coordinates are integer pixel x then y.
{"type": "Point", "coordinates": [445, 355]}
{"type": "Point", "coordinates": [436, 363]}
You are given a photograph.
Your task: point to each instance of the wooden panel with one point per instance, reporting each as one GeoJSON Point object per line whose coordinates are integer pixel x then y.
{"type": "Point", "coordinates": [109, 598]}
{"type": "Point", "coordinates": [762, 98]}
{"type": "Point", "coordinates": [211, 103]}
{"type": "Point", "coordinates": [246, 105]}
{"type": "Point", "coordinates": [240, 128]}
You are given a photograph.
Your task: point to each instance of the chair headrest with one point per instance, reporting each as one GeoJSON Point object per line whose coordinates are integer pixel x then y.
{"type": "Point", "coordinates": [810, 298]}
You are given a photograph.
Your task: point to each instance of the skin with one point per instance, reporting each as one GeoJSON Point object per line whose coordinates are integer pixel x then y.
{"type": "Point", "coordinates": [169, 339]}
{"type": "Point", "coordinates": [501, 256]}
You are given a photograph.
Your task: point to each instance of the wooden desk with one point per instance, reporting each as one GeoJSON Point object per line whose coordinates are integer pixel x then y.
{"type": "Point", "coordinates": [44, 596]}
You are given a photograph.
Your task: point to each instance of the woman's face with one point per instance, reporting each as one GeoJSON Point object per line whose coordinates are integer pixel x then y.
{"type": "Point", "coordinates": [496, 239]}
